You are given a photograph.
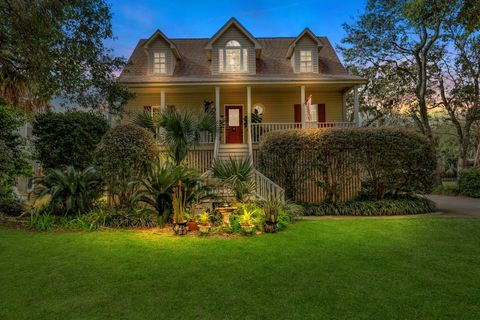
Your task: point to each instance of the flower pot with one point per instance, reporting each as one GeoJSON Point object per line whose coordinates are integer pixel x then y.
{"type": "Point", "coordinates": [180, 228]}
{"type": "Point", "coordinates": [247, 228]}
{"type": "Point", "coordinates": [204, 229]}
{"type": "Point", "coordinates": [270, 227]}
{"type": "Point", "coordinates": [192, 226]}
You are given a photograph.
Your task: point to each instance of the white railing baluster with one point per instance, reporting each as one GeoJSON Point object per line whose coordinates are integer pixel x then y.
{"type": "Point", "coordinates": [266, 188]}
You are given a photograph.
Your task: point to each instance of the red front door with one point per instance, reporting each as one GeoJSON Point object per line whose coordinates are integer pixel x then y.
{"type": "Point", "coordinates": [234, 124]}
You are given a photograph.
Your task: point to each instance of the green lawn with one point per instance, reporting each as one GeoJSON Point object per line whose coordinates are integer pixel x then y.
{"type": "Point", "coordinates": [414, 268]}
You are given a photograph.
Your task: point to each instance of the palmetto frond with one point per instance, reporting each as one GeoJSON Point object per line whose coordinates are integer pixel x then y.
{"type": "Point", "coordinates": [181, 130]}
{"type": "Point", "coordinates": [71, 190]}
{"type": "Point", "coordinates": [145, 120]}
{"type": "Point", "coordinates": [238, 173]}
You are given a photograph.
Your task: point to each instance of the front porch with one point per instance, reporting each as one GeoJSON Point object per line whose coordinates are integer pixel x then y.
{"type": "Point", "coordinates": [246, 112]}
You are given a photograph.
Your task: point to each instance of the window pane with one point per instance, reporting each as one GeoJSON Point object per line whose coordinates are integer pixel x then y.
{"type": "Point", "coordinates": [233, 117]}
{"type": "Point", "coordinates": [245, 59]}
{"type": "Point", "coordinates": [313, 113]}
{"type": "Point", "coordinates": [233, 43]}
{"type": "Point", "coordinates": [220, 60]}
{"type": "Point", "coordinates": [160, 62]}
{"type": "Point", "coordinates": [232, 60]}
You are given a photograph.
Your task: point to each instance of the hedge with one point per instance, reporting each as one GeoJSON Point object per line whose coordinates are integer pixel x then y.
{"type": "Point", "coordinates": [469, 182]}
{"type": "Point", "coordinates": [384, 161]}
{"type": "Point", "coordinates": [384, 207]}
{"type": "Point", "coordinates": [67, 139]}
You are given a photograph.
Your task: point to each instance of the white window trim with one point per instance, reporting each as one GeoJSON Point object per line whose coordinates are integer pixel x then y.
{"type": "Point", "coordinates": [305, 64]}
{"type": "Point", "coordinates": [313, 113]}
{"type": "Point", "coordinates": [155, 110]}
{"type": "Point", "coordinates": [159, 62]}
{"type": "Point", "coordinates": [243, 57]}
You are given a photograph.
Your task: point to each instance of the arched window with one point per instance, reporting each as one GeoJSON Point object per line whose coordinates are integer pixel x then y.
{"type": "Point", "coordinates": [233, 58]}
{"type": "Point", "coordinates": [233, 43]}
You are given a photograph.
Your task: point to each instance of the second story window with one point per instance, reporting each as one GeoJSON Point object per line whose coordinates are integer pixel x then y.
{"type": "Point", "coordinates": [233, 58]}
{"type": "Point", "coordinates": [306, 61]}
{"type": "Point", "coordinates": [159, 62]}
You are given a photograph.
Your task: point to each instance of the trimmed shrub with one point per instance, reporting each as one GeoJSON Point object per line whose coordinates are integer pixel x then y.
{"type": "Point", "coordinates": [469, 182]}
{"type": "Point", "coordinates": [67, 139]}
{"type": "Point", "coordinates": [399, 206]}
{"type": "Point", "coordinates": [124, 153]}
{"type": "Point", "coordinates": [386, 160]}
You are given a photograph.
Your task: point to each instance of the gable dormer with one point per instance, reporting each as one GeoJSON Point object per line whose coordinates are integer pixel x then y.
{"type": "Point", "coordinates": [303, 52]}
{"type": "Point", "coordinates": [162, 55]}
{"type": "Point", "coordinates": [233, 50]}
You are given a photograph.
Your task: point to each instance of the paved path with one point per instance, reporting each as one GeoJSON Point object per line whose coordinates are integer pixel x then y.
{"type": "Point", "coordinates": [457, 206]}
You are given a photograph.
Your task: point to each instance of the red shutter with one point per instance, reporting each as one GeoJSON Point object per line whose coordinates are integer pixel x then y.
{"type": "Point", "coordinates": [298, 113]}
{"type": "Point", "coordinates": [147, 109]}
{"type": "Point", "coordinates": [321, 112]}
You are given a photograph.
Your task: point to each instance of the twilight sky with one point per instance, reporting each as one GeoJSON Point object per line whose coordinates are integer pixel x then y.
{"type": "Point", "coordinates": [133, 20]}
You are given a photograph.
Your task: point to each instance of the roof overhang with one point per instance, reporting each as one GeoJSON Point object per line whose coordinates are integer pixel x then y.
{"type": "Point", "coordinates": [246, 82]}
{"type": "Point", "coordinates": [305, 32]}
{"type": "Point", "coordinates": [238, 25]}
{"type": "Point", "coordinates": [159, 34]}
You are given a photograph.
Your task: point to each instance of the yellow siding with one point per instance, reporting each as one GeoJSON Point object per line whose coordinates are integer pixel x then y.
{"type": "Point", "coordinates": [278, 104]}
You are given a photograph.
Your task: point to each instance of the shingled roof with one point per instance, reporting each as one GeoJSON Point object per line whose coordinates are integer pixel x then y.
{"type": "Point", "coordinates": [272, 65]}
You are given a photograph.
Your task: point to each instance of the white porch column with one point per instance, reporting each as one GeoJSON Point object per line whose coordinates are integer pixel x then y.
{"type": "Point", "coordinates": [249, 122]}
{"type": "Point", "coordinates": [217, 120]}
{"type": "Point", "coordinates": [302, 105]}
{"type": "Point", "coordinates": [162, 100]}
{"type": "Point", "coordinates": [355, 106]}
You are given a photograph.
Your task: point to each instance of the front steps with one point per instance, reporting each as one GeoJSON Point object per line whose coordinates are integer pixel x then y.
{"type": "Point", "coordinates": [238, 151]}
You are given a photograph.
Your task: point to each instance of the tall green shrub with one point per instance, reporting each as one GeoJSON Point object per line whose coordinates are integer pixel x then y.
{"type": "Point", "coordinates": [469, 182]}
{"type": "Point", "coordinates": [124, 153]}
{"type": "Point", "coordinates": [67, 139]}
{"type": "Point", "coordinates": [13, 153]}
{"type": "Point", "coordinates": [387, 160]}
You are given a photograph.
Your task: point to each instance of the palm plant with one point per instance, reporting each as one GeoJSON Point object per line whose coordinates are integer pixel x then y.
{"type": "Point", "coordinates": [237, 173]}
{"type": "Point", "coordinates": [156, 188]}
{"type": "Point", "coordinates": [71, 191]}
{"type": "Point", "coordinates": [145, 120]}
{"type": "Point", "coordinates": [180, 131]}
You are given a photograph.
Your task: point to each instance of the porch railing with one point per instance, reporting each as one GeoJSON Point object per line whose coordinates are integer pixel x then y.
{"type": "Point", "coordinates": [259, 129]}
{"type": "Point", "coordinates": [266, 188]}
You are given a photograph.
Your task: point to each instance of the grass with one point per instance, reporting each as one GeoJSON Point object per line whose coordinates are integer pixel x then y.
{"type": "Point", "coordinates": [410, 268]}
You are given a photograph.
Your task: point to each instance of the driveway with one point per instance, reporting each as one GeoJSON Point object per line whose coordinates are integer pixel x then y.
{"type": "Point", "coordinates": [457, 206]}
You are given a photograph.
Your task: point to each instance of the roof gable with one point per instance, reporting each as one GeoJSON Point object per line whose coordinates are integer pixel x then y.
{"type": "Point", "coordinates": [305, 32]}
{"type": "Point", "coordinates": [234, 22]}
{"type": "Point", "coordinates": [159, 34]}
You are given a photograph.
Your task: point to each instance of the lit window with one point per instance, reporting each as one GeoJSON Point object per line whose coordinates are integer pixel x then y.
{"type": "Point", "coordinates": [233, 58]}
{"type": "Point", "coordinates": [306, 61]}
{"type": "Point", "coordinates": [155, 111]}
{"type": "Point", "coordinates": [313, 116]}
{"type": "Point", "coordinates": [159, 62]}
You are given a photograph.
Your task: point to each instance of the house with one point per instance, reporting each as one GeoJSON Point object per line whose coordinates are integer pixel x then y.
{"type": "Point", "coordinates": [241, 74]}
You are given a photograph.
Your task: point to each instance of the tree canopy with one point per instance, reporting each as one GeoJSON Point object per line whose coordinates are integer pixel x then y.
{"type": "Point", "coordinates": [56, 48]}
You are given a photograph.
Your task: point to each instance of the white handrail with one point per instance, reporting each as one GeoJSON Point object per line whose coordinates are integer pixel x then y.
{"type": "Point", "coordinates": [259, 129]}
{"type": "Point", "coordinates": [266, 188]}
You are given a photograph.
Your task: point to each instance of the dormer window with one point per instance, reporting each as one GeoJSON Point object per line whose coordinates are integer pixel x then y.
{"type": "Point", "coordinates": [159, 62]}
{"type": "Point", "coordinates": [306, 61]}
{"type": "Point", "coordinates": [233, 58]}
